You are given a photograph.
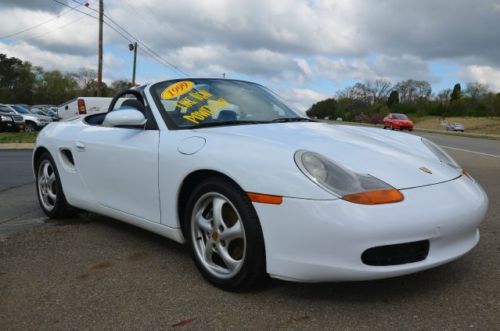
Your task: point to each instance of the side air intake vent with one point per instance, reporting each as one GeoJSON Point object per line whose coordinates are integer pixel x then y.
{"type": "Point", "coordinates": [67, 157]}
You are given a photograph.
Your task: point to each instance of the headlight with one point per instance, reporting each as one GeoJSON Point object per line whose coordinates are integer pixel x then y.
{"type": "Point", "coordinates": [344, 183]}
{"type": "Point", "coordinates": [441, 154]}
{"type": "Point", "coordinates": [5, 118]}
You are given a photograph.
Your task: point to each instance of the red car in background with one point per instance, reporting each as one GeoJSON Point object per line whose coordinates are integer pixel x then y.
{"type": "Point", "coordinates": [398, 121]}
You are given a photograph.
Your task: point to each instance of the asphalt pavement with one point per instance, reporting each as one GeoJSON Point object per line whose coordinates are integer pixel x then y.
{"type": "Point", "coordinates": [93, 272]}
{"type": "Point", "coordinates": [15, 168]}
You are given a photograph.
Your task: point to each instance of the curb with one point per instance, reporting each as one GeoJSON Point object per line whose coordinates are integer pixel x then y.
{"type": "Point", "coordinates": [14, 146]}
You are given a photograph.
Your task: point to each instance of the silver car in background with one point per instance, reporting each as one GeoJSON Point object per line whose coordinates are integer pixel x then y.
{"type": "Point", "coordinates": [31, 121]}
{"type": "Point", "coordinates": [455, 127]}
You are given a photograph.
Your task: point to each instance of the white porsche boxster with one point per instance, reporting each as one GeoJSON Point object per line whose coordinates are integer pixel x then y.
{"type": "Point", "coordinates": [256, 189]}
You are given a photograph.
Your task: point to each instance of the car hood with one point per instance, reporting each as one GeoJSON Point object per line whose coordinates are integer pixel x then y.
{"type": "Point", "coordinates": [395, 158]}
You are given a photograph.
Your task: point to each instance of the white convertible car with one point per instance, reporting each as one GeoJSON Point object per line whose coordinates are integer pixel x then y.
{"type": "Point", "coordinates": [256, 189]}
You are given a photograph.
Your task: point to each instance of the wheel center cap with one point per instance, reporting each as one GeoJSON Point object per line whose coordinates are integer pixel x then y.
{"type": "Point", "coordinates": [215, 236]}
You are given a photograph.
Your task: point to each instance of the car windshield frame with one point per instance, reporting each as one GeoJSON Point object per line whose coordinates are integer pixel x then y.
{"type": "Point", "coordinates": [155, 90]}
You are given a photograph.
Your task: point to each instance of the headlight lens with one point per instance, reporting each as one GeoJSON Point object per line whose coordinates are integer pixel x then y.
{"type": "Point", "coordinates": [5, 118]}
{"type": "Point", "coordinates": [441, 154]}
{"type": "Point", "coordinates": [343, 182]}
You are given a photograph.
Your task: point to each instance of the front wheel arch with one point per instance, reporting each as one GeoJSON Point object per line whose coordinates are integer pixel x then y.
{"type": "Point", "coordinates": [33, 124]}
{"type": "Point", "coordinates": [36, 157]}
{"type": "Point", "coordinates": [189, 184]}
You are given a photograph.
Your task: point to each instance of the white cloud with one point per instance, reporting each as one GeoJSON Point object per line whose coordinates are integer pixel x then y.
{"type": "Point", "coordinates": [483, 74]}
{"type": "Point", "coordinates": [341, 69]}
{"type": "Point", "coordinates": [382, 66]}
{"type": "Point", "coordinates": [64, 62]}
{"type": "Point", "coordinates": [302, 99]}
{"type": "Point", "coordinates": [282, 40]}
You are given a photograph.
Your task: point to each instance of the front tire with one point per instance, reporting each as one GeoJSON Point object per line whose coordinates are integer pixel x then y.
{"type": "Point", "coordinates": [225, 235]}
{"type": "Point", "coordinates": [30, 127]}
{"type": "Point", "coordinates": [49, 189]}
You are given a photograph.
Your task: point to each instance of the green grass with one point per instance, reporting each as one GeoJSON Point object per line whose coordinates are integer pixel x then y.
{"type": "Point", "coordinates": [17, 137]}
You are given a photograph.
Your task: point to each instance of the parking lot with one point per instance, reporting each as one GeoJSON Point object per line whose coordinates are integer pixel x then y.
{"type": "Point", "coordinates": [95, 272]}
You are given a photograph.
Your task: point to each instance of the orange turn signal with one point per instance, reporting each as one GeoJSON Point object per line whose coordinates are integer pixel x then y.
{"type": "Point", "coordinates": [265, 198]}
{"type": "Point", "coordinates": [465, 173]}
{"type": "Point", "coordinates": [375, 197]}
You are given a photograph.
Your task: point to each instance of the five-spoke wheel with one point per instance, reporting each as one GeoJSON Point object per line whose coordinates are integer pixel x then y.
{"type": "Point", "coordinates": [49, 188]}
{"type": "Point", "coordinates": [218, 234]}
{"type": "Point", "coordinates": [225, 235]}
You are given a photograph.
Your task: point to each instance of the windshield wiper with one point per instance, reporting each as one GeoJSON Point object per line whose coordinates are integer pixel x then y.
{"type": "Point", "coordinates": [292, 119]}
{"type": "Point", "coordinates": [224, 123]}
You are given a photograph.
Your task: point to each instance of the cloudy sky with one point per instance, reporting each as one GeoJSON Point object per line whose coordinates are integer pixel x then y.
{"type": "Point", "coordinates": [304, 49]}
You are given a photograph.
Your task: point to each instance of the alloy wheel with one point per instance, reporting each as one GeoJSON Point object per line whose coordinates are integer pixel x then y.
{"type": "Point", "coordinates": [47, 185]}
{"type": "Point", "coordinates": [218, 235]}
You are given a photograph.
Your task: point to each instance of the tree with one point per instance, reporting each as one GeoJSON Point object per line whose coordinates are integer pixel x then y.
{"type": "Point", "coordinates": [16, 80]}
{"type": "Point", "coordinates": [393, 98]}
{"type": "Point", "coordinates": [54, 87]}
{"type": "Point", "coordinates": [444, 96]}
{"type": "Point", "coordinates": [378, 89]}
{"type": "Point", "coordinates": [457, 93]}
{"type": "Point", "coordinates": [323, 109]}
{"type": "Point", "coordinates": [358, 92]}
{"type": "Point", "coordinates": [84, 76]}
{"type": "Point", "coordinates": [413, 90]}
{"type": "Point", "coordinates": [476, 90]}
{"type": "Point", "coordinates": [119, 85]}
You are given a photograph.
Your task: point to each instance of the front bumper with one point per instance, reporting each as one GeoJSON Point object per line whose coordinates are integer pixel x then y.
{"type": "Point", "coordinates": [318, 240]}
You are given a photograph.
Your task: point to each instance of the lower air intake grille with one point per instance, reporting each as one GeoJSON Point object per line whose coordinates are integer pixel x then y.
{"type": "Point", "coordinates": [396, 254]}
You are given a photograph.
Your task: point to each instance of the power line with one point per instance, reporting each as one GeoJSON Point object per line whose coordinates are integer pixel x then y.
{"type": "Point", "coordinates": [96, 18]}
{"type": "Point", "coordinates": [40, 24]}
{"type": "Point", "coordinates": [41, 35]}
{"type": "Point", "coordinates": [148, 49]}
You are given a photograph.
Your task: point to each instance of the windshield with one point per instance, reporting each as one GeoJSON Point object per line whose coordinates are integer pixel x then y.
{"type": "Point", "coordinates": [211, 102]}
{"type": "Point", "coordinates": [20, 110]}
{"type": "Point", "coordinates": [37, 111]}
{"type": "Point", "coordinates": [400, 116]}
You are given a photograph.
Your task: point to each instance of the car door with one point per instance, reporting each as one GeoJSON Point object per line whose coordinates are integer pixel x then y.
{"type": "Point", "coordinates": [119, 166]}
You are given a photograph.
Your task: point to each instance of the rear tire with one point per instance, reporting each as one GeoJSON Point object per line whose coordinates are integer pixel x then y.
{"type": "Point", "coordinates": [225, 235]}
{"type": "Point", "coordinates": [49, 189]}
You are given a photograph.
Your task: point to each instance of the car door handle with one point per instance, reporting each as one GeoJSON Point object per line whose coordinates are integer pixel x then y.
{"type": "Point", "coordinates": [80, 146]}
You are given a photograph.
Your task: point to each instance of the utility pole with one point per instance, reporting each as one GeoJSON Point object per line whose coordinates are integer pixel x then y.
{"type": "Point", "coordinates": [99, 57]}
{"type": "Point", "coordinates": [133, 47]}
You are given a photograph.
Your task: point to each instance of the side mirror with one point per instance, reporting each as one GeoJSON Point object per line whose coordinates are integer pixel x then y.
{"type": "Point", "coordinates": [125, 117]}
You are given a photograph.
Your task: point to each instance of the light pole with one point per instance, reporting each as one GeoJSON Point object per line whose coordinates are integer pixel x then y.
{"type": "Point", "coordinates": [133, 47]}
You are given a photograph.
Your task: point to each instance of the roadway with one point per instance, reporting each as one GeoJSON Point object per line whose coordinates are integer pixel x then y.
{"type": "Point", "coordinates": [94, 272]}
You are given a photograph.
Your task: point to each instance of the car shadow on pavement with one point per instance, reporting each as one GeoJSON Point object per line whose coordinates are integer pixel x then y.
{"type": "Point", "coordinates": [429, 282]}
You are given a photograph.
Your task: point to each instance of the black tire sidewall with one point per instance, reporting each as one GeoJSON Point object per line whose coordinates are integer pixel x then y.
{"type": "Point", "coordinates": [61, 207]}
{"type": "Point", "coordinates": [30, 125]}
{"type": "Point", "coordinates": [253, 269]}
